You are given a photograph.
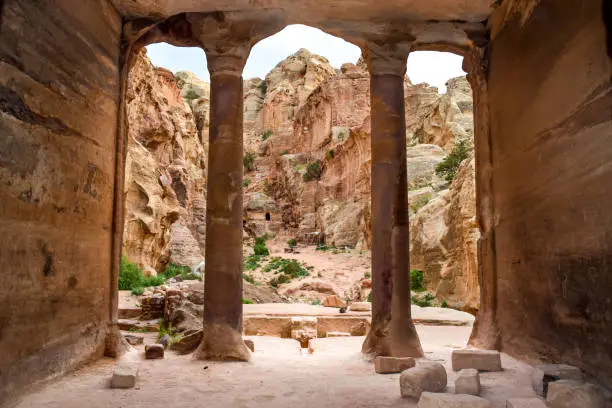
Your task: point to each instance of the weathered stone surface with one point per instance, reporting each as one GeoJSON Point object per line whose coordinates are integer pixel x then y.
{"type": "Point", "coordinates": [250, 344]}
{"type": "Point", "coordinates": [360, 306]}
{"type": "Point", "coordinates": [481, 360]}
{"type": "Point", "coordinates": [391, 365]}
{"type": "Point", "coordinates": [544, 374]}
{"type": "Point", "coordinates": [133, 339]}
{"type": "Point", "coordinates": [154, 351]}
{"type": "Point", "coordinates": [125, 373]}
{"type": "Point", "coordinates": [467, 382]}
{"type": "Point", "coordinates": [334, 301]}
{"type": "Point", "coordinates": [525, 403]}
{"type": "Point", "coordinates": [188, 343]}
{"type": "Point", "coordinates": [426, 376]}
{"type": "Point", "coordinates": [432, 400]}
{"type": "Point", "coordinates": [572, 394]}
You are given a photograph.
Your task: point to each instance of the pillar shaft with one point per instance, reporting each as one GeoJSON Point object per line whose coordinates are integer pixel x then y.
{"type": "Point", "coordinates": [392, 332]}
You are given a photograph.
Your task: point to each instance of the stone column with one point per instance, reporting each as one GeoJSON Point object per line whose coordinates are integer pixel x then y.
{"type": "Point", "coordinates": [392, 332]}
{"type": "Point", "coordinates": [227, 39]}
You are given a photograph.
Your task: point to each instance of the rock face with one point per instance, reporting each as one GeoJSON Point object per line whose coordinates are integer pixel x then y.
{"type": "Point", "coordinates": [165, 167]}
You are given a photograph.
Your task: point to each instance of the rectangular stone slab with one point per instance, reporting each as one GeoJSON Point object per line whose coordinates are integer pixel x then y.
{"type": "Point", "coordinates": [525, 403]}
{"type": "Point", "coordinates": [435, 400]}
{"type": "Point", "coordinates": [125, 374]}
{"type": "Point", "coordinates": [468, 382]}
{"type": "Point", "coordinates": [481, 360]}
{"type": "Point", "coordinates": [392, 365]}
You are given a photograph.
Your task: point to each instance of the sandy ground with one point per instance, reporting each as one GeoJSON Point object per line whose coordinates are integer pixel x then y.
{"type": "Point", "coordinates": [279, 375]}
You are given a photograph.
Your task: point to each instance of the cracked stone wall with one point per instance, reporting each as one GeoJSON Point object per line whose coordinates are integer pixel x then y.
{"type": "Point", "coordinates": [58, 117]}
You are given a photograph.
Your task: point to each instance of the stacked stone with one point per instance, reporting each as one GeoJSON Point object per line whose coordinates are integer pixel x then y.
{"type": "Point", "coordinates": [174, 298]}
{"type": "Point", "coordinates": [152, 307]}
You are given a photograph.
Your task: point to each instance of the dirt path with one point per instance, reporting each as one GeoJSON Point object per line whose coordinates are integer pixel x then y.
{"type": "Point", "coordinates": [279, 375]}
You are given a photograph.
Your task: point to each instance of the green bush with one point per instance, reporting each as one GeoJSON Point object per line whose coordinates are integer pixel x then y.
{"type": "Point", "coordinates": [313, 171]}
{"type": "Point", "coordinates": [316, 302]}
{"type": "Point", "coordinates": [148, 281]}
{"type": "Point", "coordinates": [191, 94]}
{"type": "Point", "coordinates": [416, 280]}
{"type": "Point", "coordinates": [263, 87]}
{"type": "Point", "coordinates": [137, 291]}
{"type": "Point", "coordinates": [249, 278]}
{"type": "Point", "coordinates": [249, 161]}
{"type": "Point", "coordinates": [247, 301]}
{"type": "Point", "coordinates": [246, 182]}
{"type": "Point", "coordinates": [292, 243]}
{"type": "Point", "coordinates": [260, 246]}
{"type": "Point", "coordinates": [444, 304]}
{"type": "Point", "coordinates": [370, 295]}
{"type": "Point", "coordinates": [266, 135]}
{"type": "Point", "coordinates": [166, 328]}
{"type": "Point", "coordinates": [367, 275]}
{"type": "Point", "coordinates": [252, 262]}
{"type": "Point", "coordinates": [322, 248]}
{"type": "Point", "coordinates": [425, 301]}
{"type": "Point", "coordinates": [420, 202]}
{"type": "Point", "coordinates": [448, 167]}
{"type": "Point", "coordinates": [286, 269]}
{"type": "Point", "coordinates": [130, 275]}
{"type": "Point", "coordinates": [284, 152]}
{"type": "Point", "coordinates": [184, 272]}
{"type": "Point", "coordinates": [330, 154]}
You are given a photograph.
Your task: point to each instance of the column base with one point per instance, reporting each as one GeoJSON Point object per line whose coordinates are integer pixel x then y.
{"type": "Point", "coordinates": [222, 343]}
{"type": "Point", "coordinates": [485, 333]}
{"type": "Point", "coordinates": [392, 343]}
{"type": "Point", "coordinates": [115, 344]}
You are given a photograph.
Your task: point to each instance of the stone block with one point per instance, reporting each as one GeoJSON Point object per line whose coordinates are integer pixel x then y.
{"type": "Point", "coordinates": [125, 374]}
{"type": "Point", "coordinates": [133, 340]}
{"type": "Point", "coordinates": [188, 343]}
{"type": "Point", "coordinates": [573, 394]}
{"type": "Point", "coordinates": [392, 365]}
{"type": "Point", "coordinates": [431, 400]}
{"type": "Point", "coordinates": [165, 341]}
{"type": "Point", "coordinates": [361, 328]}
{"type": "Point", "coordinates": [525, 403]}
{"type": "Point", "coordinates": [543, 374]}
{"type": "Point", "coordinates": [154, 351]}
{"type": "Point", "coordinates": [334, 301]}
{"type": "Point", "coordinates": [481, 360]}
{"type": "Point", "coordinates": [468, 382]}
{"type": "Point", "coordinates": [360, 307]}
{"type": "Point", "coordinates": [250, 344]}
{"type": "Point", "coordinates": [338, 334]}
{"type": "Point", "coordinates": [304, 323]}
{"type": "Point", "coordinates": [426, 376]}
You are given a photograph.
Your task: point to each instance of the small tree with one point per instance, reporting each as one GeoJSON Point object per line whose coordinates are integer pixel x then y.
{"type": "Point", "coordinates": [266, 135]}
{"type": "Point", "coordinates": [249, 161]}
{"type": "Point", "coordinates": [313, 171]}
{"type": "Point", "coordinates": [448, 167]}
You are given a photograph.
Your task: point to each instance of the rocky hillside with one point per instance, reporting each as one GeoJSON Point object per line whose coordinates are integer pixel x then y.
{"type": "Point", "coordinates": [307, 167]}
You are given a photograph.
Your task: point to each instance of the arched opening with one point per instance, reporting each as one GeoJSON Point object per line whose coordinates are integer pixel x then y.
{"type": "Point", "coordinates": [268, 217]}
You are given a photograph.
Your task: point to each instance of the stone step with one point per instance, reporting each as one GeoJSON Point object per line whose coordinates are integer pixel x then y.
{"type": "Point", "coordinates": [543, 374]}
{"type": "Point", "coordinates": [481, 360]}
{"type": "Point", "coordinates": [392, 365]}
{"type": "Point", "coordinates": [138, 325]}
{"type": "Point", "coordinates": [129, 312]}
{"type": "Point", "coordinates": [573, 394]}
{"type": "Point", "coordinates": [434, 400]}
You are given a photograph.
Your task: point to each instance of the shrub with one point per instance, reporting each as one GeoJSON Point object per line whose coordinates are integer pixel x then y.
{"type": "Point", "coordinates": [249, 278]}
{"type": "Point", "coordinates": [249, 161]}
{"type": "Point", "coordinates": [330, 154]}
{"type": "Point", "coordinates": [130, 275]}
{"type": "Point", "coordinates": [286, 269]}
{"type": "Point", "coordinates": [246, 182]}
{"type": "Point", "coordinates": [313, 171]}
{"type": "Point", "coordinates": [166, 328]}
{"type": "Point", "coordinates": [260, 246]}
{"type": "Point", "coordinates": [180, 270]}
{"type": "Point", "coordinates": [425, 301]}
{"type": "Point", "coordinates": [448, 167]}
{"type": "Point", "coordinates": [370, 295]}
{"type": "Point", "coordinates": [263, 87]}
{"type": "Point", "coordinates": [416, 280]}
{"type": "Point", "coordinates": [191, 94]}
{"type": "Point", "coordinates": [266, 135]}
{"type": "Point", "coordinates": [292, 243]}
{"type": "Point", "coordinates": [316, 302]}
{"type": "Point", "coordinates": [322, 247]}
{"type": "Point", "coordinates": [284, 152]}
{"type": "Point", "coordinates": [252, 262]}
{"type": "Point", "coordinates": [247, 301]}
{"type": "Point", "coordinates": [444, 304]}
{"type": "Point", "coordinates": [367, 275]}
{"type": "Point", "coordinates": [148, 281]}
{"type": "Point", "coordinates": [137, 291]}
{"type": "Point", "coordinates": [420, 202]}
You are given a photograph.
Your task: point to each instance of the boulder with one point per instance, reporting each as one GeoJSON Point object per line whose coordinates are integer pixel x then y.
{"type": "Point", "coordinates": [431, 400]}
{"type": "Point", "coordinates": [133, 340]}
{"type": "Point", "coordinates": [468, 382]}
{"type": "Point", "coordinates": [154, 351]}
{"type": "Point", "coordinates": [525, 403]}
{"type": "Point", "coordinates": [188, 343]}
{"type": "Point", "coordinates": [334, 301]}
{"type": "Point", "coordinates": [361, 328]}
{"type": "Point", "coordinates": [573, 394]}
{"type": "Point", "coordinates": [360, 307]}
{"type": "Point", "coordinates": [392, 365]}
{"type": "Point", "coordinates": [543, 374]}
{"type": "Point", "coordinates": [481, 360]}
{"type": "Point", "coordinates": [165, 341]}
{"type": "Point", "coordinates": [426, 376]}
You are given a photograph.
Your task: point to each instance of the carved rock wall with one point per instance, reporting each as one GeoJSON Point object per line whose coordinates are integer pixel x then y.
{"type": "Point", "coordinates": [59, 93]}
{"type": "Point", "coordinates": [551, 122]}
{"type": "Point", "coordinates": [165, 167]}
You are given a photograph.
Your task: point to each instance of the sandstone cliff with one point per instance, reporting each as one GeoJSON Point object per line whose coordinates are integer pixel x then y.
{"type": "Point", "coordinates": [165, 171]}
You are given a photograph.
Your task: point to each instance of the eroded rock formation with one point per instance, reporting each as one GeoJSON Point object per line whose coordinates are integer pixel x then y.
{"type": "Point", "coordinates": [165, 167]}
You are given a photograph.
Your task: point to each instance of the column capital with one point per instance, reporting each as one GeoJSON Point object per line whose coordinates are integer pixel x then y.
{"type": "Point", "coordinates": [227, 37]}
{"type": "Point", "coordinates": [386, 57]}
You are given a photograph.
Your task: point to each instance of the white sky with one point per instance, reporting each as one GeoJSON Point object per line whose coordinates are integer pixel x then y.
{"type": "Point", "coordinates": [434, 68]}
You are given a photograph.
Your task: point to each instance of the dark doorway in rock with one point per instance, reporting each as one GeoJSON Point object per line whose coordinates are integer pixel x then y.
{"type": "Point", "coordinates": [267, 216]}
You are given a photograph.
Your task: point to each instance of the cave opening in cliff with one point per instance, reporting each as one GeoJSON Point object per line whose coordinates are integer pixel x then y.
{"type": "Point", "coordinates": [306, 185]}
